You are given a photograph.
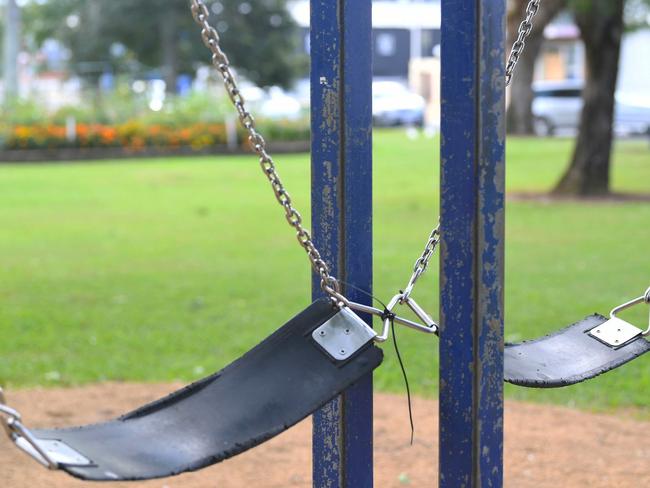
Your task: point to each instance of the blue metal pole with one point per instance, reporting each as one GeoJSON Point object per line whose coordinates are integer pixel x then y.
{"type": "Point", "coordinates": [341, 112]}
{"type": "Point", "coordinates": [472, 217]}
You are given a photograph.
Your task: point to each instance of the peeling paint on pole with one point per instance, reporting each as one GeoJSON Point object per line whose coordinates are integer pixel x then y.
{"type": "Point", "coordinates": [341, 81]}
{"type": "Point", "coordinates": [472, 206]}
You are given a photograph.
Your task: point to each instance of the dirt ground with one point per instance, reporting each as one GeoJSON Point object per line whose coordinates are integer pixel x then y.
{"type": "Point", "coordinates": [545, 446]}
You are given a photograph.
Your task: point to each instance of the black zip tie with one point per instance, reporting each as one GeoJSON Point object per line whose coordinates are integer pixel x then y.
{"type": "Point", "coordinates": [406, 380]}
{"type": "Point", "coordinates": [391, 316]}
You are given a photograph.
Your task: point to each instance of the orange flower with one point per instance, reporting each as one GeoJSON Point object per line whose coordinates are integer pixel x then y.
{"type": "Point", "coordinates": [55, 131]}
{"type": "Point", "coordinates": [82, 131]}
{"type": "Point", "coordinates": [107, 134]}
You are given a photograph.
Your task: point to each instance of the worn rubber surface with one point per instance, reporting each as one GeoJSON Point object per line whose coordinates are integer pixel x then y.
{"type": "Point", "coordinates": [272, 387]}
{"type": "Point", "coordinates": [567, 357]}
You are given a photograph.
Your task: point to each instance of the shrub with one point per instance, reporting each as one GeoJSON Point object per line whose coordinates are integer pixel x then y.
{"type": "Point", "coordinates": [122, 120]}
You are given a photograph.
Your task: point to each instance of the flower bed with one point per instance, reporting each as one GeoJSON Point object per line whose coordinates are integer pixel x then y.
{"type": "Point", "coordinates": [135, 135]}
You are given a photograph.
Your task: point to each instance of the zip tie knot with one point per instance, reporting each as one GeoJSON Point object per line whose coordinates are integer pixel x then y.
{"type": "Point", "coordinates": [388, 315]}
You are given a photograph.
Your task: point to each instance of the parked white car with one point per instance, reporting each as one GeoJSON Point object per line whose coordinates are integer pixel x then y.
{"type": "Point", "coordinates": [558, 104]}
{"type": "Point", "coordinates": [394, 104]}
{"type": "Point", "coordinates": [278, 104]}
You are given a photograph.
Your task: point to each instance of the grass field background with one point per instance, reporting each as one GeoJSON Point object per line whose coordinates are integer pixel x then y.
{"type": "Point", "coordinates": [154, 270]}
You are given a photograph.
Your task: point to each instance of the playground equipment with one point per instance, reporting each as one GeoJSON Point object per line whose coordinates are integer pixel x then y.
{"type": "Point", "coordinates": [321, 360]}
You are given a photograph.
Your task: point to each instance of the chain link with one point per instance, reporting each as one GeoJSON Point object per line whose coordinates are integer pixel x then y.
{"type": "Point", "coordinates": [210, 36]}
{"type": "Point", "coordinates": [329, 283]}
{"type": "Point", "coordinates": [422, 262]}
{"type": "Point", "coordinates": [523, 32]}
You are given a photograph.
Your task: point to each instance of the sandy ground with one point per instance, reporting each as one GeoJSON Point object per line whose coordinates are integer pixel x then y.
{"type": "Point", "coordinates": [545, 446]}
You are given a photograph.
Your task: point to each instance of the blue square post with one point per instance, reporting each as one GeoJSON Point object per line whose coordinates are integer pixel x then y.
{"type": "Point", "coordinates": [341, 121]}
{"type": "Point", "coordinates": [472, 219]}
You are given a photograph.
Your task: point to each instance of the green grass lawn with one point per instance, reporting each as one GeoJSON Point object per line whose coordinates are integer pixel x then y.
{"type": "Point", "coordinates": [169, 269]}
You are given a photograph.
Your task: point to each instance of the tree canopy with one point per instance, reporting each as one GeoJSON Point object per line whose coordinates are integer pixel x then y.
{"type": "Point", "coordinates": [259, 36]}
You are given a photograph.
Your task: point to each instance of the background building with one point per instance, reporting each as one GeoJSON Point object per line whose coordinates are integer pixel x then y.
{"type": "Point", "coordinates": [402, 30]}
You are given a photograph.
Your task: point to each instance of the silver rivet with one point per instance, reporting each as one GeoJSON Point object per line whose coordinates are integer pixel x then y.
{"type": "Point", "coordinates": [322, 332]}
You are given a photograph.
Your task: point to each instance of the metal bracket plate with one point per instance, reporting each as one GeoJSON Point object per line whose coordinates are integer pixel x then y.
{"type": "Point", "coordinates": [57, 451]}
{"type": "Point", "coordinates": [615, 332]}
{"type": "Point", "coordinates": [343, 335]}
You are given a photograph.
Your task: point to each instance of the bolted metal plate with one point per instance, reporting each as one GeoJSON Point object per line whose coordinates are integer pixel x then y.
{"type": "Point", "coordinates": [343, 335]}
{"type": "Point", "coordinates": [615, 332]}
{"type": "Point", "coordinates": [57, 451]}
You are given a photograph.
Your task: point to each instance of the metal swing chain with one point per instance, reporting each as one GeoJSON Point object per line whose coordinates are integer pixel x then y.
{"type": "Point", "coordinates": [211, 39]}
{"type": "Point", "coordinates": [524, 30]}
{"type": "Point", "coordinates": [421, 264]}
{"type": "Point", "coordinates": [329, 283]}
{"type": "Point", "coordinates": [10, 419]}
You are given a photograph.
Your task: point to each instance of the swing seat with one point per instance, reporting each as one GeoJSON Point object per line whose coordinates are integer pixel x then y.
{"type": "Point", "coordinates": [573, 354]}
{"type": "Point", "coordinates": [275, 385]}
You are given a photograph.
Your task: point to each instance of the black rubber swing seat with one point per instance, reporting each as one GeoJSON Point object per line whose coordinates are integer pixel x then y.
{"type": "Point", "coordinates": [568, 356]}
{"type": "Point", "coordinates": [272, 387]}
{"type": "Point", "coordinates": [280, 382]}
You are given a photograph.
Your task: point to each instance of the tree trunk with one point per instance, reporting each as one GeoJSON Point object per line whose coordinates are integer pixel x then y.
{"type": "Point", "coordinates": [601, 29]}
{"type": "Point", "coordinates": [520, 110]}
{"type": "Point", "coordinates": [169, 40]}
